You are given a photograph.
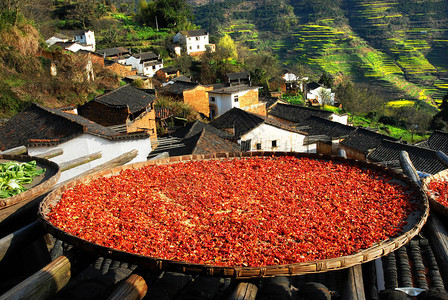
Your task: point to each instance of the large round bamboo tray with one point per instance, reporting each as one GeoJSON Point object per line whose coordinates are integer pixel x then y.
{"type": "Point", "coordinates": [39, 185]}
{"type": "Point", "coordinates": [415, 223]}
{"type": "Point", "coordinates": [436, 205]}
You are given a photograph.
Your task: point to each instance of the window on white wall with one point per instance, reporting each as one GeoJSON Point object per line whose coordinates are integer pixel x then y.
{"type": "Point", "coordinates": [274, 143]}
{"type": "Point", "coordinates": [212, 99]}
{"type": "Point", "coordinates": [258, 145]}
{"type": "Point", "coordinates": [235, 98]}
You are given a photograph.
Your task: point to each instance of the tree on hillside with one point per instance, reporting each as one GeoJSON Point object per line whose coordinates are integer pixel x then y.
{"type": "Point", "coordinates": [263, 67]}
{"type": "Point", "coordinates": [324, 97]}
{"type": "Point", "coordinates": [326, 80]}
{"type": "Point", "coordinates": [79, 14]}
{"type": "Point", "coordinates": [440, 120]}
{"type": "Point", "coordinates": [174, 14]}
{"type": "Point", "coordinates": [358, 99]}
{"type": "Point", "coordinates": [226, 48]}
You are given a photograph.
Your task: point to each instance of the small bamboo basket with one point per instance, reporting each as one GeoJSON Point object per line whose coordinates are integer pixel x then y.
{"type": "Point", "coordinates": [415, 224]}
{"type": "Point", "coordinates": [40, 184]}
{"type": "Point", "coordinates": [436, 205]}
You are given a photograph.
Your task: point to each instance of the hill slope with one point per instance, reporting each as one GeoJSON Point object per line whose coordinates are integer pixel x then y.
{"type": "Point", "coordinates": [398, 45]}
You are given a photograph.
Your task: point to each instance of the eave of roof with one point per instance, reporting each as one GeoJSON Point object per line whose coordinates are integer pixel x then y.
{"type": "Point", "coordinates": [233, 89]}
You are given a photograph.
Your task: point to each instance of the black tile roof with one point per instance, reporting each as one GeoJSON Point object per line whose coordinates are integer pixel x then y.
{"type": "Point", "coordinates": [146, 56]}
{"type": "Point", "coordinates": [197, 32]}
{"type": "Point", "coordinates": [196, 127]}
{"type": "Point", "coordinates": [312, 86]}
{"type": "Point", "coordinates": [127, 95]}
{"type": "Point", "coordinates": [62, 36]}
{"type": "Point", "coordinates": [118, 51]}
{"type": "Point", "coordinates": [297, 114]}
{"type": "Point", "coordinates": [233, 89]}
{"type": "Point", "coordinates": [365, 140]}
{"type": "Point", "coordinates": [170, 69]}
{"type": "Point", "coordinates": [38, 125]}
{"type": "Point", "coordinates": [181, 78]}
{"type": "Point", "coordinates": [211, 143]}
{"type": "Point", "coordinates": [270, 101]}
{"type": "Point", "coordinates": [238, 75]}
{"type": "Point", "coordinates": [202, 142]}
{"type": "Point", "coordinates": [319, 126]}
{"type": "Point", "coordinates": [424, 160]}
{"type": "Point", "coordinates": [242, 122]}
{"type": "Point", "coordinates": [439, 141]}
{"type": "Point", "coordinates": [74, 32]}
{"type": "Point", "coordinates": [178, 87]}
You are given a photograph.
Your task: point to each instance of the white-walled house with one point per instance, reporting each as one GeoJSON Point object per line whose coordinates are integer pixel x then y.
{"type": "Point", "coordinates": [58, 38]}
{"type": "Point", "coordinates": [84, 38]}
{"type": "Point", "coordinates": [41, 129]}
{"type": "Point", "coordinates": [317, 95]}
{"type": "Point", "coordinates": [147, 63]}
{"type": "Point", "coordinates": [193, 41]}
{"type": "Point", "coordinates": [224, 99]}
{"type": "Point", "coordinates": [257, 133]}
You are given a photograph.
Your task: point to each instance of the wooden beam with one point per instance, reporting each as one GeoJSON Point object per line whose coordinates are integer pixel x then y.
{"type": "Point", "coordinates": [244, 291]}
{"type": "Point", "coordinates": [19, 238]}
{"type": "Point", "coordinates": [408, 167]}
{"type": "Point", "coordinates": [118, 161]}
{"type": "Point", "coordinates": [51, 153]}
{"type": "Point", "coordinates": [443, 158]}
{"type": "Point", "coordinates": [132, 288]}
{"type": "Point", "coordinates": [354, 288]}
{"type": "Point", "coordinates": [79, 161]}
{"type": "Point", "coordinates": [45, 282]}
{"type": "Point", "coordinates": [15, 151]}
{"type": "Point", "coordinates": [438, 237]}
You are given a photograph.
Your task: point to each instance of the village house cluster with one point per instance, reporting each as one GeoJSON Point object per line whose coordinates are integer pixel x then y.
{"type": "Point", "coordinates": [234, 115]}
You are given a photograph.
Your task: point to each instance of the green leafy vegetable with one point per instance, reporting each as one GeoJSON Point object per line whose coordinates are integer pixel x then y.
{"type": "Point", "coordinates": [13, 175]}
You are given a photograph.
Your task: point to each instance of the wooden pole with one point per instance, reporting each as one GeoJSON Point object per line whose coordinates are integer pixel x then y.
{"type": "Point", "coordinates": [408, 167]}
{"type": "Point", "coordinates": [133, 288]}
{"type": "Point", "coordinates": [118, 161]}
{"type": "Point", "coordinates": [443, 158]}
{"type": "Point", "coordinates": [244, 291]}
{"type": "Point", "coordinates": [50, 154]}
{"type": "Point", "coordinates": [79, 161]}
{"type": "Point", "coordinates": [15, 151]}
{"type": "Point", "coordinates": [21, 237]}
{"type": "Point", "coordinates": [438, 237]}
{"type": "Point", "coordinates": [354, 289]}
{"type": "Point", "coordinates": [45, 282]}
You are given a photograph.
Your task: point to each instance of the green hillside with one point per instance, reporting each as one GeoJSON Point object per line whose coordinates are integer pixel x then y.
{"type": "Point", "coordinates": [400, 45]}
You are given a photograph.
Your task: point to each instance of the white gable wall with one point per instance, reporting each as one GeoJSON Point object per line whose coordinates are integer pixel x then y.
{"type": "Point", "coordinates": [150, 71]}
{"type": "Point", "coordinates": [343, 119]}
{"type": "Point", "coordinates": [225, 102]}
{"type": "Point", "coordinates": [135, 63]}
{"type": "Point", "coordinates": [286, 140]}
{"type": "Point", "coordinates": [53, 40]}
{"type": "Point", "coordinates": [86, 144]}
{"type": "Point", "coordinates": [315, 94]}
{"type": "Point", "coordinates": [196, 43]}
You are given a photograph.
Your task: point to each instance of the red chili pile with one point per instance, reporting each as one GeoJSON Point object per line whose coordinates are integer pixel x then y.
{"type": "Point", "coordinates": [439, 189]}
{"type": "Point", "coordinates": [240, 212]}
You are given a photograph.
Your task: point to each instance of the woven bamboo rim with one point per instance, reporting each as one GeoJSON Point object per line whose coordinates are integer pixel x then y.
{"type": "Point", "coordinates": [442, 175]}
{"type": "Point", "coordinates": [51, 177]}
{"type": "Point", "coordinates": [380, 249]}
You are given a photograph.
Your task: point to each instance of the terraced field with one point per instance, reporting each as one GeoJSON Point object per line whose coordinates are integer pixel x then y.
{"type": "Point", "coordinates": [398, 44]}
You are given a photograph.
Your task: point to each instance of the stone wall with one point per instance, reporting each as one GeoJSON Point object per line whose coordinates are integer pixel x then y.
{"type": "Point", "coordinates": [249, 98]}
{"type": "Point", "coordinates": [198, 99]}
